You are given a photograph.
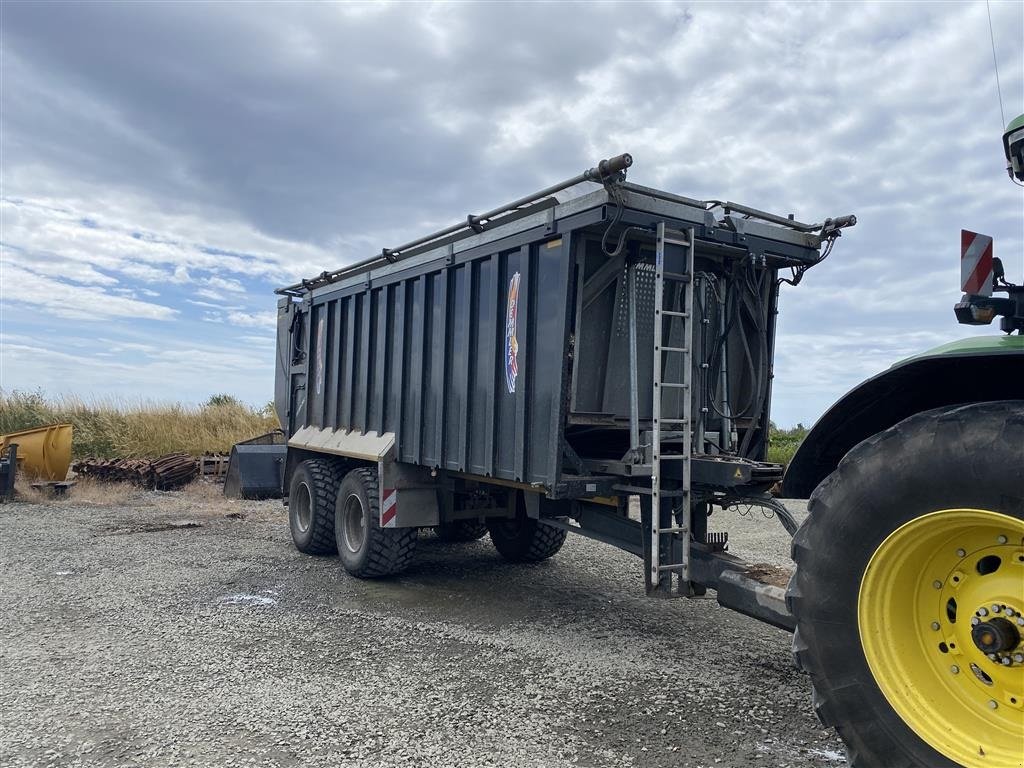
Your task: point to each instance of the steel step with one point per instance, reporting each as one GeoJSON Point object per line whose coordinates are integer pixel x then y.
{"type": "Point", "coordinates": [676, 277]}
{"type": "Point", "coordinates": [676, 529]}
{"type": "Point", "coordinates": [673, 567]}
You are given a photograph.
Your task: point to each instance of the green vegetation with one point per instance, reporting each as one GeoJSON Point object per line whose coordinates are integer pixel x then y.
{"type": "Point", "coordinates": [108, 427]}
{"type": "Point", "coordinates": [782, 443]}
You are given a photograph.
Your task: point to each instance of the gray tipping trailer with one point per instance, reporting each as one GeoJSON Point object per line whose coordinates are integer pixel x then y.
{"type": "Point", "coordinates": [529, 370]}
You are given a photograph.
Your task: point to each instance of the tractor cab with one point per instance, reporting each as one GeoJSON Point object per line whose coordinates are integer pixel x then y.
{"type": "Point", "coordinates": [1013, 147]}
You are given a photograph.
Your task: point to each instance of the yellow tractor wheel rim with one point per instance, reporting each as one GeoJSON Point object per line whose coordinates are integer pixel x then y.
{"type": "Point", "coordinates": [941, 619]}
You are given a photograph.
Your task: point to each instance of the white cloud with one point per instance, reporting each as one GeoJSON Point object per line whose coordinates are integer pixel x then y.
{"type": "Point", "coordinates": [125, 236]}
{"type": "Point", "coordinates": [263, 341]}
{"type": "Point", "coordinates": [216, 304]}
{"type": "Point", "coordinates": [22, 288]}
{"type": "Point", "coordinates": [206, 293]}
{"type": "Point", "coordinates": [223, 284]}
{"type": "Point", "coordinates": [253, 319]}
{"type": "Point", "coordinates": [56, 266]}
{"type": "Point", "coordinates": [181, 372]}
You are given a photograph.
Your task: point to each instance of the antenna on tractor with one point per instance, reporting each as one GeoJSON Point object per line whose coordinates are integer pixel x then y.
{"type": "Point", "coordinates": [995, 65]}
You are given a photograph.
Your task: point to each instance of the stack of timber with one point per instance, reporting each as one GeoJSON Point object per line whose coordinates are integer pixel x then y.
{"type": "Point", "coordinates": [163, 474]}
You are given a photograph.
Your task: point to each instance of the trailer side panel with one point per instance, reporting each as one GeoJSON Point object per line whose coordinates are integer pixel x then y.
{"type": "Point", "coordinates": [447, 357]}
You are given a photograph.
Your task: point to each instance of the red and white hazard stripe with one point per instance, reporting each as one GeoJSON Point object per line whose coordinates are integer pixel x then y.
{"type": "Point", "coordinates": [388, 508]}
{"type": "Point", "coordinates": [976, 269]}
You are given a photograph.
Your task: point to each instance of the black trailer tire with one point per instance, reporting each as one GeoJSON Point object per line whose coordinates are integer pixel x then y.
{"type": "Point", "coordinates": [311, 496]}
{"type": "Point", "coordinates": [522, 539]}
{"type": "Point", "coordinates": [942, 468]}
{"type": "Point", "coordinates": [368, 551]}
{"type": "Point", "coordinates": [460, 531]}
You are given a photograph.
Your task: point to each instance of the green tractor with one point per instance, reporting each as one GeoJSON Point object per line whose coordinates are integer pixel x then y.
{"type": "Point", "coordinates": [908, 593]}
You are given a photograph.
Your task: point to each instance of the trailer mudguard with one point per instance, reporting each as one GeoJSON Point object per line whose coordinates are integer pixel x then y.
{"type": "Point", "coordinates": [981, 369]}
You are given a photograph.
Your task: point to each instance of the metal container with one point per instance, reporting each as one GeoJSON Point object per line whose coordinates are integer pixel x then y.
{"type": "Point", "coordinates": [256, 468]}
{"type": "Point", "coordinates": [44, 453]}
{"type": "Point", "coordinates": [507, 353]}
{"type": "Point", "coordinates": [536, 366]}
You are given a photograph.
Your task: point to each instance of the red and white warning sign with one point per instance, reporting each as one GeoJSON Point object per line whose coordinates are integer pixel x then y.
{"type": "Point", "coordinates": [976, 270]}
{"type": "Point", "coordinates": [388, 508]}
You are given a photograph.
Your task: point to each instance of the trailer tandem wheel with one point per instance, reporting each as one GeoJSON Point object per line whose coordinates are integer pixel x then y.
{"type": "Point", "coordinates": [522, 539]}
{"type": "Point", "coordinates": [311, 495]}
{"type": "Point", "coordinates": [909, 591]}
{"type": "Point", "coordinates": [367, 550]}
{"type": "Point", "coordinates": [461, 530]}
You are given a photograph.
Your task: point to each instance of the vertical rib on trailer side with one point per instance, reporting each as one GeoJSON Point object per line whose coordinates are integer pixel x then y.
{"type": "Point", "coordinates": [437, 355]}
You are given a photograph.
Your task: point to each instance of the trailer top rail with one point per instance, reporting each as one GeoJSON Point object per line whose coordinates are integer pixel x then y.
{"type": "Point", "coordinates": [528, 211]}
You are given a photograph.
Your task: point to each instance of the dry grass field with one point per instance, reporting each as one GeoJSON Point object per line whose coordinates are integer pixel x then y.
{"type": "Point", "coordinates": [111, 427]}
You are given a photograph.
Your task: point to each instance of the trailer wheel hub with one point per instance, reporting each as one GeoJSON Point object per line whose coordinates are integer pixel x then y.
{"type": "Point", "coordinates": [303, 507]}
{"type": "Point", "coordinates": [939, 614]}
{"type": "Point", "coordinates": [354, 532]}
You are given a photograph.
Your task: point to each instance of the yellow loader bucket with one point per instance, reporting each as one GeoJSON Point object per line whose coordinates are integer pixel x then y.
{"type": "Point", "coordinates": [43, 452]}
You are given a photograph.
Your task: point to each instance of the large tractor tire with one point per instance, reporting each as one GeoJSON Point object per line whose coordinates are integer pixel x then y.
{"type": "Point", "coordinates": [367, 550]}
{"type": "Point", "coordinates": [461, 531]}
{"type": "Point", "coordinates": [909, 592]}
{"type": "Point", "coordinates": [311, 495]}
{"type": "Point", "coordinates": [522, 539]}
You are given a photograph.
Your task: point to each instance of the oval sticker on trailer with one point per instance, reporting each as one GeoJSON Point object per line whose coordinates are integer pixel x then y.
{"type": "Point", "coordinates": [511, 342]}
{"type": "Point", "coordinates": [976, 268]}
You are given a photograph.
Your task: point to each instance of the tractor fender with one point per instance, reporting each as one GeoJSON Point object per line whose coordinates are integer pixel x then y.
{"type": "Point", "coordinates": [982, 369]}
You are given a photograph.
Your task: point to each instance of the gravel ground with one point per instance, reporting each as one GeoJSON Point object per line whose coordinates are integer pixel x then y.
{"type": "Point", "coordinates": [184, 629]}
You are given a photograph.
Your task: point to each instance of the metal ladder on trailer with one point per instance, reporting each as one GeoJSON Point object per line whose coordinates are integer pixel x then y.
{"type": "Point", "coordinates": [662, 560]}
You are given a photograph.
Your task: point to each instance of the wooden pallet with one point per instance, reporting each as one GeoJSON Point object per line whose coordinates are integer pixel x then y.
{"type": "Point", "coordinates": [213, 466]}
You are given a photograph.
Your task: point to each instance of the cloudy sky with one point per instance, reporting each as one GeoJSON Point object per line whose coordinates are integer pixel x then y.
{"type": "Point", "coordinates": [166, 166]}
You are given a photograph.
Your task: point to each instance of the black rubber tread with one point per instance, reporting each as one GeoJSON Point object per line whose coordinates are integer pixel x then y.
{"type": "Point", "coordinates": [323, 476]}
{"type": "Point", "coordinates": [458, 531]}
{"type": "Point", "coordinates": [523, 539]}
{"type": "Point", "coordinates": [386, 551]}
{"type": "Point", "coordinates": [546, 542]}
{"type": "Point", "coordinates": [969, 456]}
